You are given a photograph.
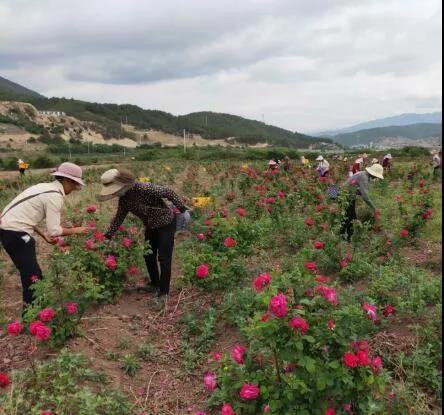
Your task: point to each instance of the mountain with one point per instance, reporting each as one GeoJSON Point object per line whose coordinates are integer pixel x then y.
{"type": "Point", "coordinates": [209, 125]}
{"type": "Point", "coordinates": [408, 133]}
{"type": "Point", "coordinates": [397, 120]}
{"type": "Point", "coordinates": [11, 91]}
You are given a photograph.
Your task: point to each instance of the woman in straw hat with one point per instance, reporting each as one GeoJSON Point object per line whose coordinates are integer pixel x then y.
{"type": "Point", "coordinates": [323, 166]}
{"type": "Point", "coordinates": [145, 200]}
{"type": "Point", "coordinates": [361, 180]}
{"type": "Point", "coordinates": [436, 161]}
{"type": "Point", "coordinates": [20, 219]}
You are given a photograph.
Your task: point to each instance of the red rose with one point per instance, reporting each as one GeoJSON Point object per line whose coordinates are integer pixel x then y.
{"type": "Point", "coordinates": [351, 360]}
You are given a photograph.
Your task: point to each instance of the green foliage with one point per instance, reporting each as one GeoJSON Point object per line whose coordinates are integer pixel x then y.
{"type": "Point", "coordinates": [130, 364]}
{"type": "Point", "coordinates": [65, 385]}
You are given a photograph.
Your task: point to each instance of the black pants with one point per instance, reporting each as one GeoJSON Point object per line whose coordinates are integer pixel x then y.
{"type": "Point", "coordinates": [162, 245]}
{"type": "Point", "coordinates": [24, 257]}
{"type": "Point", "coordinates": [347, 221]}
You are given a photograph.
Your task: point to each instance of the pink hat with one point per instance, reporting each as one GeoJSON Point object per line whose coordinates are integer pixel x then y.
{"type": "Point", "coordinates": [70, 171]}
{"type": "Point", "coordinates": [272, 163]}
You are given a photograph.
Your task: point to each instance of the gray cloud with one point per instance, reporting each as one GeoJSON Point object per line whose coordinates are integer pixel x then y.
{"type": "Point", "coordinates": [231, 55]}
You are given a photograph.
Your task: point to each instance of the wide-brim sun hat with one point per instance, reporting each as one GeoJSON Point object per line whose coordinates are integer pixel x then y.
{"type": "Point", "coordinates": [70, 171]}
{"type": "Point", "coordinates": [388, 156]}
{"type": "Point", "coordinates": [374, 161]}
{"type": "Point", "coordinates": [110, 184]}
{"type": "Point", "coordinates": [319, 158]}
{"type": "Point", "coordinates": [272, 163]}
{"type": "Point", "coordinates": [376, 170]}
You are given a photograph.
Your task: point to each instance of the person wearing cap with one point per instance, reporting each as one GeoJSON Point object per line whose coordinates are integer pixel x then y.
{"type": "Point", "coordinates": [386, 162]}
{"type": "Point", "coordinates": [146, 201]}
{"type": "Point", "coordinates": [361, 180]}
{"type": "Point", "coordinates": [357, 166]}
{"type": "Point", "coordinates": [20, 219]}
{"type": "Point", "coordinates": [273, 165]}
{"type": "Point", "coordinates": [323, 166]}
{"type": "Point", "coordinates": [436, 161]}
{"type": "Point", "coordinates": [22, 166]}
{"type": "Point", "coordinates": [286, 164]}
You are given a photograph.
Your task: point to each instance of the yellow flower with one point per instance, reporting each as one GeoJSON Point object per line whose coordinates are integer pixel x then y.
{"type": "Point", "coordinates": [167, 168]}
{"type": "Point", "coordinates": [144, 179]}
{"type": "Point", "coordinates": [202, 201]}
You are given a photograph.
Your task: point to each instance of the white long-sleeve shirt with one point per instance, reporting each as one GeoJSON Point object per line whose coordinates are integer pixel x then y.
{"type": "Point", "coordinates": [27, 215]}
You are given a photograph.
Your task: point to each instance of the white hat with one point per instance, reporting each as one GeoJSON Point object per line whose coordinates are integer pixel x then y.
{"type": "Point", "coordinates": [272, 163]}
{"type": "Point", "coordinates": [388, 156]}
{"type": "Point", "coordinates": [375, 161]}
{"type": "Point", "coordinates": [70, 171]}
{"type": "Point", "coordinates": [376, 170]}
{"type": "Point", "coordinates": [110, 185]}
{"type": "Point", "coordinates": [320, 158]}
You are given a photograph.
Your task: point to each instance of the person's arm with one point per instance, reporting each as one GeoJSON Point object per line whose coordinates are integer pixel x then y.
{"type": "Point", "coordinates": [363, 189]}
{"type": "Point", "coordinates": [53, 207]}
{"type": "Point", "coordinates": [169, 194]}
{"type": "Point", "coordinates": [122, 212]}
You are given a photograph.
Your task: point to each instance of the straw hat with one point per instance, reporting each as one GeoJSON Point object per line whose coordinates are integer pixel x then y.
{"type": "Point", "coordinates": [320, 158]}
{"type": "Point", "coordinates": [388, 156]}
{"type": "Point", "coordinates": [272, 163]}
{"type": "Point", "coordinates": [110, 183]}
{"type": "Point", "coordinates": [70, 171]}
{"type": "Point", "coordinates": [376, 170]}
{"type": "Point", "coordinates": [375, 161]}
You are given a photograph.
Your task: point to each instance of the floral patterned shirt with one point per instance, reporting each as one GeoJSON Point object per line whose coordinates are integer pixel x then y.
{"type": "Point", "coordinates": [145, 200]}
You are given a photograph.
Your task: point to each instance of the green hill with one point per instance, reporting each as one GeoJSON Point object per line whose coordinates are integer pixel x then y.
{"type": "Point", "coordinates": [209, 125]}
{"type": "Point", "coordinates": [14, 92]}
{"type": "Point", "coordinates": [412, 132]}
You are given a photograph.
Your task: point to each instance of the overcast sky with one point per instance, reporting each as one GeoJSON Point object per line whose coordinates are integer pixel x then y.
{"type": "Point", "coordinates": [304, 65]}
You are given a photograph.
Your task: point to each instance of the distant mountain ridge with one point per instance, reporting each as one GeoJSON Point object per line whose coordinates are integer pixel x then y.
{"type": "Point", "coordinates": [209, 125]}
{"type": "Point", "coordinates": [11, 89]}
{"type": "Point", "coordinates": [422, 131]}
{"type": "Point", "coordinates": [397, 120]}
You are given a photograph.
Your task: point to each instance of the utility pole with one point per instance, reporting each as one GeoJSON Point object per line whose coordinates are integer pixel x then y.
{"type": "Point", "coordinates": [184, 144]}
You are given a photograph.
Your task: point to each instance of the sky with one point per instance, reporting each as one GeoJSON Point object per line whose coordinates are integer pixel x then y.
{"type": "Point", "coordinates": [304, 65]}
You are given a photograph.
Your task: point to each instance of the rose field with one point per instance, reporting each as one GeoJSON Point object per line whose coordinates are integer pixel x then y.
{"type": "Point", "coordinates": [271, 310]}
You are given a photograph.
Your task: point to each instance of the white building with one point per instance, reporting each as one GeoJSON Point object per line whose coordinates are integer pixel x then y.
{"type": "Point", "coordinates": [56, 113]}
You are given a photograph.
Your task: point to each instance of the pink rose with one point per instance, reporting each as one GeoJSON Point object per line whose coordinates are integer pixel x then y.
{"type": "Point", "coordinates": [363, 359]}
{"type": "Point", "coordinates": [34, 278]}
{"type": "Point", "coordinates": [230, 242]}
{"type": "Point", "coordinates": [404, 233]}
{"type": "Point", "coordinates": [89, 245]}
{"type": "Point", "coordinates": [99, 236]}
{"type": "Point", "coordinates": [351, 360]}
{"type": "Point", "coordinates": [47, 314]}
{"type": "Point", "coordinates": [318, 245]}
{"type": "Point", "coordinates": [126, 243]}
{"type": "Point", "coordinates": [300, 325]}
{"type": "Point", "coordinates": [330, 411]}
{"type": "Point", "coordinates": [371, 311]}
{"type": "Point", "coordinates": [376, 365]}
{"type": "Point", "coordinates": [278, 305]}
{"type": "Point", "coordinates": [261, 282]}
{"type": "Point", "coordinates": [42, 332]}
{"type": "Point", "coordinates": [132, 270]}
{"type": "Point", "coordinates": [388, 310]}
{"type": "Point", "coordinates": [241, 212]}
{"type": "Point", "coordinates": [15, 328]}
{"type": "Point", "coordinates": [4, 380]}
{"type": "Point", "coordinates": [281, 195]}
{"type": "Point", "coordinates": [210, 381]}
{"type": "Point", "coordinates": [227, 409]}
{"type": "Point", "coordinates": [71, 308]}
{"type": "Point", "coordinates": [331, 324]}
{"type": "Point", "coordinates": [309, 222]}
{"type": "Point", "coordinates": [249, 392]}
{"type": "Point", "coordinates": [91, 208]}
{"type": "Point", "coordinates": [111, 262]}
{"type": "Point", "coordinates": [310, 266]}
{"type": "Point", "coordinates": [200, 236]}
{"type": "Point", "coordinates": [202, 271]}
{"type": "Point", "coordinates": [238, 354]}
{"type": "Point", "coordinates": [33, 327]}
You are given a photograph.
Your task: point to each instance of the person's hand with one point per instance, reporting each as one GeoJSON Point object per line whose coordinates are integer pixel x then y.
{"type": "Point", "coordinates": [80, 230]}
{"type": "Point", "coordinates": [376, 214]}
{"type": "Point", "coordinates": [52, 240]}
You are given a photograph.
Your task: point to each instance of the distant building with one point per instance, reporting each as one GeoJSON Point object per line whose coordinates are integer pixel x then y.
{"type": "Point", "coordinates": [56, 113]}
